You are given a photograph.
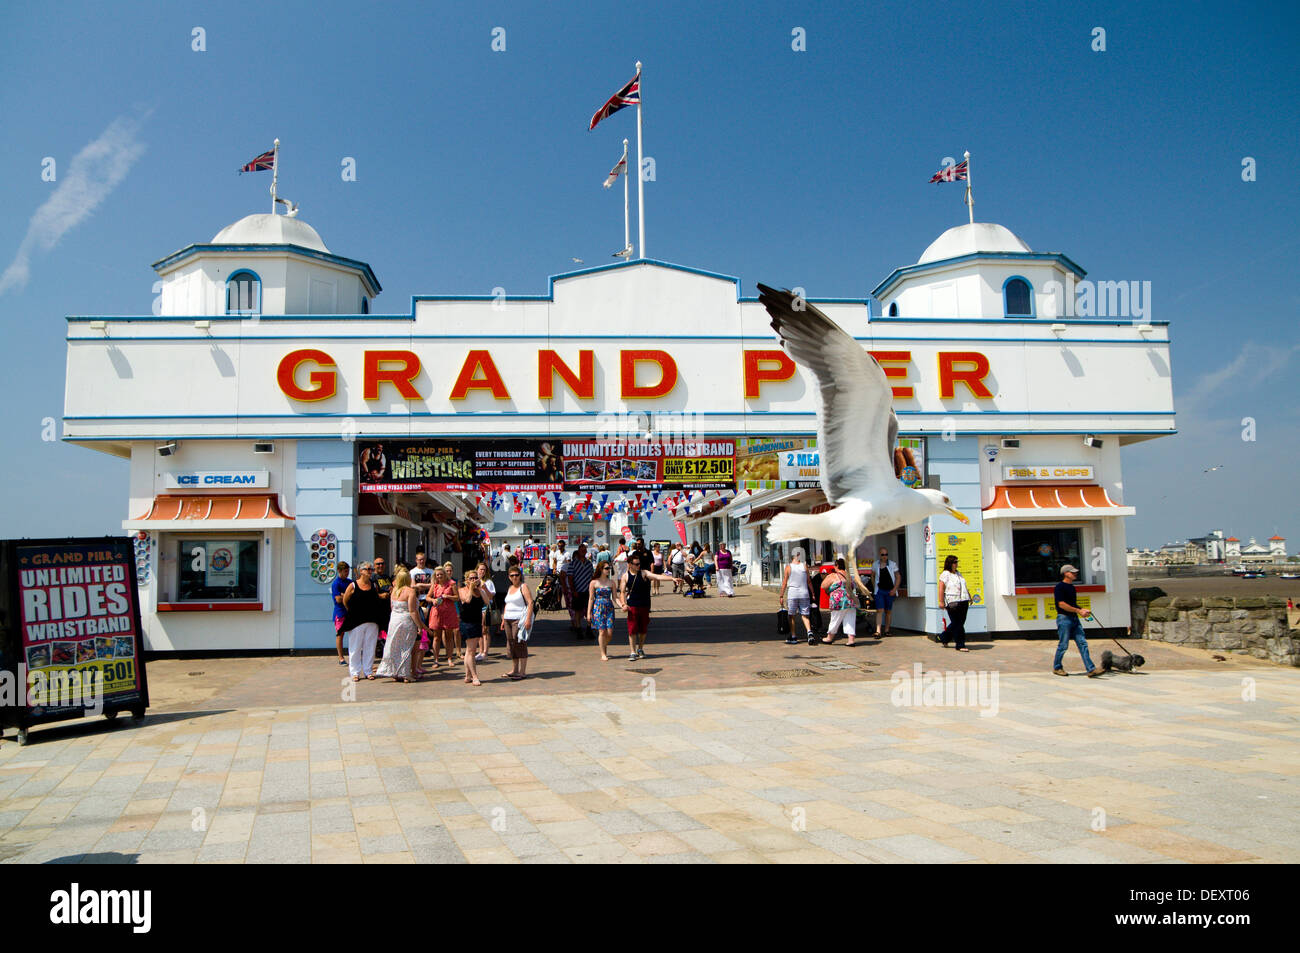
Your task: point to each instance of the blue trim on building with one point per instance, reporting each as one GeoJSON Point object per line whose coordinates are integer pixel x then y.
{"type": "Point", "coordinates": [352, 264]}
{"type": "Point", "coordinates": [542, 338]}
{"type": "Point", "coordinates": [581, 435]}
{"type": "Point", "coordinates": [595, 413]}
{"type": "Point", "coordinates": [908, 271]}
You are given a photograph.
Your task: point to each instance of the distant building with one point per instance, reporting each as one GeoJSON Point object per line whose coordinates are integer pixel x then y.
{"type": "Point", "coordinates": [1212, 548]}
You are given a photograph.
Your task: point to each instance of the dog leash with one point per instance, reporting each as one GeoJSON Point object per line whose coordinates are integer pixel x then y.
{"type": "Point", "coordinates": [1112, 638]}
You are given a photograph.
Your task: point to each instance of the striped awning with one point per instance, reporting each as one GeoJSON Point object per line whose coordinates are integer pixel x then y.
{"type": "Point", "coordinates": [1052, 500]}
{"type": "Point", "coordinates": [235, 511]}
{"type": "Point", "coordinates": [762, 514]}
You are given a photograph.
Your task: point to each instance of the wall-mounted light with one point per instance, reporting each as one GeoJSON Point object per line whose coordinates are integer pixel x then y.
{"type": "Point", "coordinates": [99, 326]}
{"type": "Point", "coordinates": [1144, 329]}
{"type": "Point", "coordinates": [1058, 329]}
{"type": "Point", "coordinates": [167, 449]}
{"type": "Point", "coordinates": [1091, 441]}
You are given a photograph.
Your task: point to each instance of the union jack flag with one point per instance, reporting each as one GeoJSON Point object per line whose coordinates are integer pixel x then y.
{"type": "Point", "coordinates": [629, 95]}
{"type": "Point", "coordinates": [262, 163]}
{"type": "Point", "coordinates": [952, 173]}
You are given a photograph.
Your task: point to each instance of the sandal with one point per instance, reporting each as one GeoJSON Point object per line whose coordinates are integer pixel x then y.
{"type": "Point", "coordinates": [356, 678]}
{"type": "Point", "coordinates": [370, 678]}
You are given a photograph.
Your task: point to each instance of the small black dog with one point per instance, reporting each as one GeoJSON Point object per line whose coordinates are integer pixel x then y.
{"type": "Point", "coordinates": [1109, 663]}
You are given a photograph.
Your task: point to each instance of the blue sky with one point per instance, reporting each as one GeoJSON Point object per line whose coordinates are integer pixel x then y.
{"type": "Point", "coordinates": [475, 170]}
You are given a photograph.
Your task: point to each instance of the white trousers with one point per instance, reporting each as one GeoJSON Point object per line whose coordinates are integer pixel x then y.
{"type": "Point", "coordinates": [848, 618]}
{"type": "Point", "coordinates": [361, 648]}
{"type": "Point", "coordinates": [724, 582]}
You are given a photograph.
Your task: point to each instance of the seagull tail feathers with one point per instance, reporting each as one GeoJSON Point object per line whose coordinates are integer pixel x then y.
{"type": "Point", "coordinates": [786, 527]}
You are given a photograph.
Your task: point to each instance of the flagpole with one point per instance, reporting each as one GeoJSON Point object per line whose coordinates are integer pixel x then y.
{"type": "Point", "coordinates": [640, 184]}
{"type": "Point", "coordinates": [970, 195]}
{"type": "Point", "coordinates": [275, 172]}
{"type": "Point", "coordinates": [627, 233]}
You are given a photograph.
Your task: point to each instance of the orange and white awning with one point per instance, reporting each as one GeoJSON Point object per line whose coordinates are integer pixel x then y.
{"type": "Point", "coordinates": [1053, 501]}
{"type": "Point", "coordinates": [201, 513]}
{"type": "Point", "coordinates": [762, 514]}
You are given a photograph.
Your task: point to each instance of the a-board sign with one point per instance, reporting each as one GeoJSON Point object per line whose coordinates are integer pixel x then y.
{"type": "Point", "coordinates": [69, 631]}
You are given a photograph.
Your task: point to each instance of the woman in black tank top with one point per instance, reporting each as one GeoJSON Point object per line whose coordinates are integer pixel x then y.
{"type": "Point", "coordinates": [472, 609]}
{"type": "Point", "coordinates": [634, 598]}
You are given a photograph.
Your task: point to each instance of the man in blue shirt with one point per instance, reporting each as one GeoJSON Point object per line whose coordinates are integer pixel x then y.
{"type": "Point", "coordinates": [1068, 625]}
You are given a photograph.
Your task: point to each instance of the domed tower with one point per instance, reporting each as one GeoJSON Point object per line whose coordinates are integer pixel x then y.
{"type": "Point", "coordinates": [979, 270]}
{"type": "Point", "coordinates": [264, 264]}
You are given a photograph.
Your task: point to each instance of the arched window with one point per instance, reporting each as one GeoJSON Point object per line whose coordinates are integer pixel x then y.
{"type": "Point", "coordinates": [1017, 298]}
{"type": "Point", "coordinates": [244, 293]}
{"type": "Point", "coordinates": [893, 309]}
{"type": "Point", "coordinates": [365, 305]}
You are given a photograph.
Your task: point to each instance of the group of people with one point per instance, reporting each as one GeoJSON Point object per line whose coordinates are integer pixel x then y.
{"type": "Point", "coordinates": [423, 616]}
{"type": "Point", "coordinates": [591, 588]}
{"type": "Point", "coordinates": [426, 619]}
{"type": "Point", "coordinates": [837, 592]}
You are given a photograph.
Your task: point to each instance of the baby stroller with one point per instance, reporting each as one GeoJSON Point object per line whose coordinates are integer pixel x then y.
{"type": "Point", "coordinates": [548, 595]}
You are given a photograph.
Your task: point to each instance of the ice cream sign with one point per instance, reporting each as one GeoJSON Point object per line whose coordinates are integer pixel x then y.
{"type": "Point", "coordinates": [218, 479]}
{"type": "Point", "coordinates": [1055, 473]}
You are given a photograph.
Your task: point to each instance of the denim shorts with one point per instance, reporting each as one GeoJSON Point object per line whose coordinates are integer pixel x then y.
{"type": "Point", "coordinates": [797, 605]}
{"type": "Point", "coordinates": [884, 600]}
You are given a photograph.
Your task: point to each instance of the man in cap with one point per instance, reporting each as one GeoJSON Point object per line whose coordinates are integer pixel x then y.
{"type": "Point", "coordinates": [1068, 624]}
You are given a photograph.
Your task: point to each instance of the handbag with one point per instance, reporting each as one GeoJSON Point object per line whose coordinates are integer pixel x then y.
{"type": "Point", "coordinates": [782, 622]}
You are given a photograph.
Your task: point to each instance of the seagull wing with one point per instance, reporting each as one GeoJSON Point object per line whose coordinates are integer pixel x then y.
{"type": "Point", "coordinates": [856, 426]}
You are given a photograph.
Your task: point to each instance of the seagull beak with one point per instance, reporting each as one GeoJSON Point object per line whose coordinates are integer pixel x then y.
{"type": "Point", "coordinates": [960, 515]}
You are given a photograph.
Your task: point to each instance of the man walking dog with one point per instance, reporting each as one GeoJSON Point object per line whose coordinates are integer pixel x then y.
{"type": "Point", "coordinates": [1068, 624]}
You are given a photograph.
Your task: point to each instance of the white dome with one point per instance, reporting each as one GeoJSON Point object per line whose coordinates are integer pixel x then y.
{"type": "Point", "coordinates": [969, 239]}
{"type": "Point", "coordinates": [270, 230]}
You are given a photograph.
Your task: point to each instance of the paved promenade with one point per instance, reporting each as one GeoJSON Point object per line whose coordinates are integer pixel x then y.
{"type": "Point", "coordinates": [724, 745]}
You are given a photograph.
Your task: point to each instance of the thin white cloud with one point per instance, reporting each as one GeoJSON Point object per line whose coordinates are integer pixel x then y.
{"type": "Point", "coordinates": [91, 176]}
{"type": "Point", "coordinates": [1253, 361]}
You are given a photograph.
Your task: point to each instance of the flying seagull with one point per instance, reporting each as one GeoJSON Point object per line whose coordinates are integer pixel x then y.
{"type": "Point", "coordinates": [578, 260]}
{"type": "Point", "coordinates": [1209, 469]}
{"type": "Point", "coordinates": [856, 432]}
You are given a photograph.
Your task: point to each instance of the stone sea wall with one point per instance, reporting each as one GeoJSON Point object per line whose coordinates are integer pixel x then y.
{"type": "Point", "coordinates": [1248, 625]}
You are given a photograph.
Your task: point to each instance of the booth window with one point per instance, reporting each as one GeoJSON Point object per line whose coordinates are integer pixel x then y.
{"type": "Point", "coordinates": [1038, 553]}
{"type": "Point", "coordinates": [1018, 298]}
{"type": "Point", "coordinates": [535, 530]}
{"type": "Point", "coordinates": [733, 531]}
{"type": "Point", "coordinates": [217, 569]}
{"type": "Point", "coordinates": [244, 293]}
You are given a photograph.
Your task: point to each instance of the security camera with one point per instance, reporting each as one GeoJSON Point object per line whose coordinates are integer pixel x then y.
{"type": "Point", "coordinates": [167, 449]}
{"type": "Point", "coordinates": [1093, 442]}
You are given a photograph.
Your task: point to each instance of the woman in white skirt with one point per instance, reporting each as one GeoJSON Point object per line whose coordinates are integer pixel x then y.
{"type": "Point", "coordinates": [723, 562]}
{"type": "Point", "coordinates": [361, 623]}
{"type": "Point", "coordinates": [403, 629]}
